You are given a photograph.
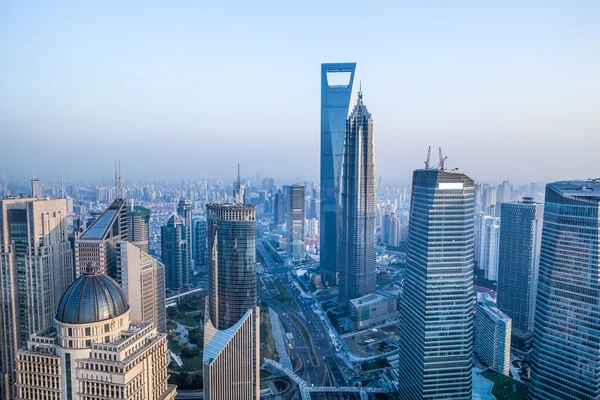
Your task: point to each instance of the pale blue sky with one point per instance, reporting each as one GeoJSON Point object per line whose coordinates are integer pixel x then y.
{"type": "Point", "coordinates": [176, 89]}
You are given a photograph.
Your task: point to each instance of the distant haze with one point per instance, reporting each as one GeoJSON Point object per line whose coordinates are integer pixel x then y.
{"type": "Point", "coordinates": [509, 90]}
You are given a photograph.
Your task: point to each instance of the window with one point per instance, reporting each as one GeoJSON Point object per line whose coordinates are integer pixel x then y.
{"type": "Point", "coordinates": [88, 331]}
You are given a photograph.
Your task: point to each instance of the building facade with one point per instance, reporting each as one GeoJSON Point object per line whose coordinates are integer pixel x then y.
{"type": "Point", "coordinates": [436, 325]}
{"type": "Point", "coordinates": [278, 209]}
{"type": "Point", "coordinates": [492, 338]}
{"type": "Point", "coordinates": [518, 260]}
{"type": "Point", "coordinates": [36, 267]}
{"type": "Point", "coordinates": [94, 351]}
{"type": "Point", "coordinates": [565, 362]}
{"type": "Point", "coordinates": [489, 241]}
{"type": "Point", "coordinates": [296, 249]}
{"type": "Point", "coordinates": [335, 105]}
{"type": "Point", "coordinates": [231, 351]}
{"type": "Point", "coordinates": [139, 227]}
{"type": "Point", "coordinates": [142, 278]}
{"type": "Point", "coordinates": [199, 251]}
{"type": "Point", "coordinates": [184, 209]}
{"type": "Point", "coordinates": [357, 210]}
{"type": "Point", "coordinates": [372, 309]}
{"type": "Point", "coordinates": [174, 248]}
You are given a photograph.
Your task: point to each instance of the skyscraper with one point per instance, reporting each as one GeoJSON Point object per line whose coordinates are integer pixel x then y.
{"type": "Point", "coordinates": [93, 350]}
{"type": "Point", "coordinates": [492, 338]}
{"type": "Point", "coordinates": [231, 334]}
{"type": "Point", "coordinates": [142, 278]}
{"type": "Point", "coordinates": [565, 362]}
{"type": "Point", "coordinates": [335, 104]}
{"type": "Point", "coordinates": [436, 327]}
{"type": "Point", "coordinates": [97, 243]}
{"type": "Point", "coordinates": [184, 209]}
{"type": "Point", "coordinates": [357, 211]}
{"type": "Point", "coordinates": [139, 226]}
{"type": "Point", "coordinates": [36, 187]}
{"type": "Point", "coordinates": [518, 261]}
{"type": "Point", "coordinates": [279, 209]}
{"type": "Point", "coordinates": [199, 249]}
{"type": "Point", "coordinates": [489, 237]}
{"type": "Point", "coordinates": [35, 270]}
{"type": "Point", "coordinates": [239, 189]}
{"type": "Point", "coordinates": [295, 225]}
{"type": "Point", "coordinates": [174, 245]}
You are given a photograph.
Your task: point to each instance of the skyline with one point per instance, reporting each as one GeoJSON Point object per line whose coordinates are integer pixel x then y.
{"type": "Point", "coordinates": [500, 81]}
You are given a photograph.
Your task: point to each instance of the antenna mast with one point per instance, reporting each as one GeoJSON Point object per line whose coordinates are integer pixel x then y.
{"type": "Point", "coordinates": [428, 158]}
{"type": "Point", "coordinates": [442, 161]}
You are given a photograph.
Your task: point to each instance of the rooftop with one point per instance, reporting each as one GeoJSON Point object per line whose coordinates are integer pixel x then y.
{"type": "Point", "coordinates": [589, 188]}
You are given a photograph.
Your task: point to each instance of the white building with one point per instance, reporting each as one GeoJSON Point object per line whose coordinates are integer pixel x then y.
{"type": "Point", "coordinates": [489, 241]}
{"type": "Point", "coordinates": [492, 338]}
{"type": "Point", "coordinates": [94, 351]}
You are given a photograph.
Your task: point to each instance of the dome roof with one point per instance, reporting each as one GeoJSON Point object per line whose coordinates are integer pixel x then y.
{"type": "Point", "coordinates": [93, 297]}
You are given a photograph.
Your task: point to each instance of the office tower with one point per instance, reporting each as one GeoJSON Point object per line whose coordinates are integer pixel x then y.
{"type": "Point", "coordinates": [390, 231]}
{"type": "Point", "coordinates": [436, 327]}
{"type": "Point", "coordinates": [199, 249]}
{"type": "Point", "coordinates": [489, 239]}
{"type": "Point", "coordinates": [239, 189]}
{"type": "Point", "coordinates": [356, 241]}
{"type": "Point", "coordinates": [36, 187]}
{"type": "Point", "coordinates": [492, 338]}
{"type": "Point", "coordinates": [36, 267]}
{"type": "Point", "coordinates": [142, 278]}
{"type": "Point", "coordinates": [518, 260]}
{"type": "Point", "coordinates": [184, 209]}
{"type": "Point", "coordinates": [504, 193]}
{"type": "Point", "coordinates": [93, 350]}
{"type": "Point", "coordinates": [335, 104]}
{"type": "Point", "coordinates": [97, 243]}
{"type": "Point", "coordinates": [139, 226]}
{"type": "Point", "coordinates": [488, 198]}
{"type": "Point", "coordinates": [231, 333]}
{"type": "Point", "coordinates": [278, 212]}
{"type": "Point", "coordinates": [295, 226]}
{"type": "Point", "coordinates": [565, 362]}
{"type": "Point", "coordinates": [174, 245]}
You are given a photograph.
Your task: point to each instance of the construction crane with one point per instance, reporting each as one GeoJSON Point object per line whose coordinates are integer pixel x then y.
{"type": "Point", "coordinates": [442, 160]}
{"type": "Point", "coordinates": [428, 158]}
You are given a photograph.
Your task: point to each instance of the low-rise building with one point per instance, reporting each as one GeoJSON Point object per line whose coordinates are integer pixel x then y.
{"type": "Point", "coordinates": [373, 308]}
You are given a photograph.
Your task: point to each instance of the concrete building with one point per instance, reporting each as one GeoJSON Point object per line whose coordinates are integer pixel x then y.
{"type": "Point", "coordinates": [279, 209]}
{"type": "Point", "coordinates": [36, 188]}
{"type": "Point", "coordinates": [372, 309]}
{"type": "Point", "coordinates": [518, 260]}
{"type": "Point", "coordinates": [142, 278]}
{"type": "Point", "coordinates": [231, 334]}
{"type": "Point", "coordinates": [565, 362]}
{"type": "Point", "coordinates": [94, 351]}
{"type": "Point", "coordinates": [174, 245]}
{"type": "Point", "coordinates": [492, 338]}
{"type": "Point", "coordinates": [139, 226]}
{"type": "Point", "coordinates": [36, 267]}
{"type": "Point", "coordinates": [336, 90]}
{"type": "Point", "coordinates": [357, 211]}
{"type": "Point", "coordinates": [489, 242]}
{"type": "Point", "coordinates": [97, 243]}
{"type": "Point", "coordinates": [296, 249]}
{"type": "Point", "coordinates": [436, 324]}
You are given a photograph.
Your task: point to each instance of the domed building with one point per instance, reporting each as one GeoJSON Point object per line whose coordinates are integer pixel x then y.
{"type": "Point", "coordinates": [94, 351]}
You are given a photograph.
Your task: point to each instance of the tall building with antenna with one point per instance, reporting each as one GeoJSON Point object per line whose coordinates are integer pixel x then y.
{"type": "Point", "coordinates": [36, 187]}
{"type": "Point", "coordinates": [436, 329]}
{"type": "Point", "coordinates": [357, 210]}
{"type": "Point", "coordinates": [239, 189]}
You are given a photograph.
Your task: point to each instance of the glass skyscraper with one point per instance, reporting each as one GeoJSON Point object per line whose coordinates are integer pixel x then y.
{"type": "Point", "coordinates": [174, 249]}
{"type": "Point", "coordinates": [566, 342]}
{"type": "Point", "coordinates": [436, 325]}
{"type": "Point", "coordinates": [518, 260]}
{"type": "Point", "coordinates": [296, 249]}
{"type": "Point", "coordinates": [335, 104]}
{"type": "Point", "coordinates": [139, 226]}
{"type": "Point", "coordinates": [231, 350]}
{"type": "Point", "coordinates": [356, 241]}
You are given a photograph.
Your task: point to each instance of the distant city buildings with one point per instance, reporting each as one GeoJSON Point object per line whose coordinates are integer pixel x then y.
{"type": "Point", "coordinates": [436, 325]}
{"type": "Point", "coordinates": [357, 211]}
{"type": "Point", "coordinates": [142, 278]}
{"type": "Point", "coordinates": [139, 226]}
{"type": "Point", "coordinates": [199, 250]}
{"type": "Point", "coordinates": [93, 350]}
{"type": "Point", "coordinates": [492, 338]}
{"type": "Point", "coordinates": [36, 267]}
{"type": "Point", "coordinates": [279, 209]}
{"type": "Point", "coordinates": [296, 249]}
{"type": "Point", "coordinates": [231, 334]}
{"type": "Point", "coordinates": [174, 244]}
{"type": "Point", "coordinates": [565, 362]}
{"type": "Point", "coordinates": [518, 261]}
{"type": "Point", "coordinates": [335, 103]}
{"type": "Point", "coordinates": [36, 187]}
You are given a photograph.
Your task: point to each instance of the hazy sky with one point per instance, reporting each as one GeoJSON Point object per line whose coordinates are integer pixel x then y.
{"type": "Point", "coordinates": [176, 89]}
